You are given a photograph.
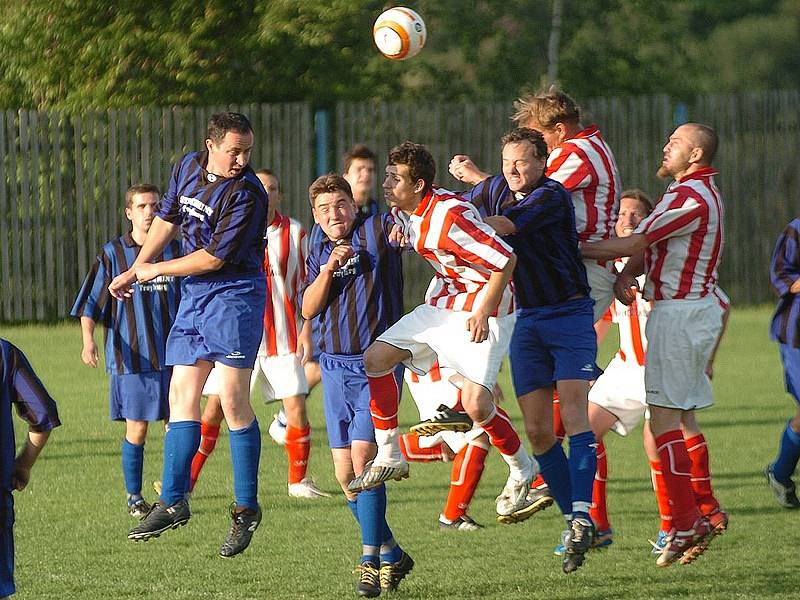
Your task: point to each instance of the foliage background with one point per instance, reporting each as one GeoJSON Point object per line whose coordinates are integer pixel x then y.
{"type": "Point", "coordinates": [80, 54]}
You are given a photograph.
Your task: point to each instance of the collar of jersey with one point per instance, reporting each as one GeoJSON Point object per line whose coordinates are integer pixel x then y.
{"type": "Point", "coordinates": [701, 173]}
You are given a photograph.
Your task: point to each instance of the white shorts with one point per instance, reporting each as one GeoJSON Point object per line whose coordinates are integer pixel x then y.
{"type": "Point", "coordinates": [601, 282]}
{"type": "Point", "coordinates": [432, 334]}
{"type": "Point", "coordinates": [428, 395]}
{"type": "Point", "coordinates": [278, 377]}
{"type": "Point", "coordinates": [680, 337]}
{"type": "Point", "coordinates": [620, 390]}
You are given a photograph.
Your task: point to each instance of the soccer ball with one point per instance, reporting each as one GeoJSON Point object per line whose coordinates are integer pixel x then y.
{"type": "Point", "coordinates": [399, 33]}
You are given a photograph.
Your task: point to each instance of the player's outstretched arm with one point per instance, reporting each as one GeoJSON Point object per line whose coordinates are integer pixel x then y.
{"type": "Point", "coordinates": [89, 354]}
{"type": "Point", "coordinates": [27, 457]}
{"type": "Point", "coordinates": [478, 322]}
{"type": "Point", "coordinates": [161, 233]}
{"type": "Point", "coordinates": [196, 263]}
{"type": "Point", "coordinates": [614, 247]}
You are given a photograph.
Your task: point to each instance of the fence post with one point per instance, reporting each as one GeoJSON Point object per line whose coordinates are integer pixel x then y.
{"type": "Point", "coordinates": [322, 132]}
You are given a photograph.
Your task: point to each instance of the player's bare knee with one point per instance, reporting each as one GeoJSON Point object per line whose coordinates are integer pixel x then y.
{"type": "Point", "coordinates": [294, 408]}
{"type": "Point", "coordinates": [136, 431]}
{"type": "Point", "coordinates": [541, 439]}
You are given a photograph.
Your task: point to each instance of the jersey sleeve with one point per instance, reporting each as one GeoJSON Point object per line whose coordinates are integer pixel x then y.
{"type": "Point", "coordinates": [469, 238]}
{"type": "Point", "coordinates": [34, 405]}
{"type": "Point", "coordinates": [674, 216]}
{"type": "Point", "coordinates": [235, 224]}
{"type": "Point", "coordinates": [784, 267]}
{"type": "Point", "coordinates": [569, 167]}
{"type": "Point", "coordinates": [94, 299]}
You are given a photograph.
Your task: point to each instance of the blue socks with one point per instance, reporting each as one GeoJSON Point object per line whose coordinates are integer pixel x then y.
{"type": "Point", "coordinates": [555, 471]}
{"type": "Point", "coordinates": [788, 455]}
{"type": "Point", "coordinates": [377, 540]}
{"type": "Point", "coordinates": [180, 444]}
{"type": "Point", "coordinates": [582, 468]}
{"type": "Point", "coordinates": [132, 466]}
{"type": "Point", "coordinates": [245, 455]}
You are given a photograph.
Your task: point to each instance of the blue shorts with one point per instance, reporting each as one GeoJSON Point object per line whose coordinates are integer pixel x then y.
{"type": "Point", "coordinates": [6, 544]}
{"type": "Point", "coordinates": [790, 357]}
{"type": "Point", "coordinates": [553, 343]}
{"type": "Point", "coordinates": [345, 400]}
{"type": "Point", "coordinates": [140, 396]}
{"type": "Point", "coordinates": [218, 321]}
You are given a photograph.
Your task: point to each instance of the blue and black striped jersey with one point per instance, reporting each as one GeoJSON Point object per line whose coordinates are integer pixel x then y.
{"type": "Point", "coordinates": [366, 296]}
{"type": "Point", "coordinates": [137, 327]}
{"type": "Point", "coordinates": [21, 388]}
{"type": "Point", "coordinates": [549, 265]}
{"type": "Point", "coordinates": [226, 217]}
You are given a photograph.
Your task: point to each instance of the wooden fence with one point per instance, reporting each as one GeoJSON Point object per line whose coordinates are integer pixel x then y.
{"type": "Point", "coordinates": [63, 177]}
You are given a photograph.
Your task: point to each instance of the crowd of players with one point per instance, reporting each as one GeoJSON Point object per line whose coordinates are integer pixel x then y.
{"type": "Point", "coordinates": [526, 265]}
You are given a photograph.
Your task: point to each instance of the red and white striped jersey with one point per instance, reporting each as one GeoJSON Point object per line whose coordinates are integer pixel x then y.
{"type": "Point", "coordinates": [586, 167]}
{"type": "Point", "coordinates": [685, 233]}
{"type": "Point", "coordinates": [463, 250]}
{"type": "Point", "coordinates": [285, 268]}
{"type": "Point", "coordinates": [631, 320]}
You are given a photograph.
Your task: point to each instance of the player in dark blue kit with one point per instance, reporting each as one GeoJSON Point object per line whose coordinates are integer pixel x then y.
{"type": "Point", "coordinates": [554, 342]}
{"type": "Point", "coordinates": [136, 336]}
{"type": "Point", "coordinates": [21, 388]}
{"type": "Point", "coordinates": [356, 288]}
{"type": "Point", "coordinates": [784, 272]}
{"type": "Point", "coordinates": [220, 207]}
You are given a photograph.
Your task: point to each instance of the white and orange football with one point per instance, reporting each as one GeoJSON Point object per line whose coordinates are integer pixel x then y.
{"type": "Point", "coordinates": [399, 33]}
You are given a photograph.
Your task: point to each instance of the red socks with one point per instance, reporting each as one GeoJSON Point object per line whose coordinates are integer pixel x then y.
{"type": "Point", "coordinates": [208, 440]}
{"type": "Point", "coordinates": [384, 400]}
{"type": "Point", "coordinates": [298, 447]}
{"type": "Point", "coordinates": [467, 469]}
{"type": "Point", "coordinates": [501, 432]}
{"type": "Point", "coordinates": [676, 468]}
{"type": "Point", "coordinates": [413, 452]}
{"type": "Point", "coordinates": [701, 474]}
{"type": "Point", "coordinates": [662, 498]}
{"type": "Point", "coordinates": [599, 509]}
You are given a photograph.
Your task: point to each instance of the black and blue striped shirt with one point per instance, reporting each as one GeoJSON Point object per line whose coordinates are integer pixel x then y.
{"type": "Point", "coordinates": [366, 295]}
{"type": "Point", "coordinates": [226, 217]}
{"type": "Point", "coordinates": [137, 327]}
{"type": "Point", "coordinates": [549, 266]}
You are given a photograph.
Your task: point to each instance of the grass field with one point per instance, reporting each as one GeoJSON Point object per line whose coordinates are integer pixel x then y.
{"type": "Point", "coordinates": [72, 523]}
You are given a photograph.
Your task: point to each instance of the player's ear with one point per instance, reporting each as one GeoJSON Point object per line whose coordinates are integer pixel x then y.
{"type": "Point", "coordinates": [209, 143]}
{"type": "Point", "coordinates": [419, 186]}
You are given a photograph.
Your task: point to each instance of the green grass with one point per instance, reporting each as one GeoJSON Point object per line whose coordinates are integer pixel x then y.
{"type": "Point", "coordinates": [71, 520]}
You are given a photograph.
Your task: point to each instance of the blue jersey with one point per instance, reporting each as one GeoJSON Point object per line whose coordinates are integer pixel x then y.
{"type": "Point", "coordinates": [784, 270]}
{"type": "Point", "coordinates": [21, 388]}
{"type": "Point", "coordinates": [226, 217]}
{"type": "Point", "coordinates": [366, 295]}
{"type": "Point", "coordinates": [137, 327]}
{"type": "Point", "coordinates": [549, 265]}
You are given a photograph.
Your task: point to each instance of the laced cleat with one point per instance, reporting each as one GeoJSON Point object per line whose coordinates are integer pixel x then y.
{"type": "Point", "coordinates": [462, 523]}
{"type": "Point", "coordinates": [138, 507]}
{"type": "Point", "coordinates": [376, 474]}
{"type": "Point", "coordinates": [277, 429]}
{"type": "Point", "coordinates": [602, 539]}
{"type": "Point", "coordinates": [244, 522]}
{"type": "Point", "coordinates": [537, 500]}
{"type": "Point", "coordinates": [685, 546]}
{"type": "Point", "coordinates": [306, 488]}
{"type": "Point", "coordinates": [369, 580]}
{"type": "Point", "coordinates": [391, 574]}
{"type": "Point", "coordinates": [784, 493]}
{"type": "Point", "coordinates": [445, 419]}
{"type": "Point", "coordinates": [514, 497]}
{"type": "Point", "coordinates": [660, 543]}
{"type": "Point", "coordinates": [160, 518]}
{"type": "Point", "coordinates": [580, 539]}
